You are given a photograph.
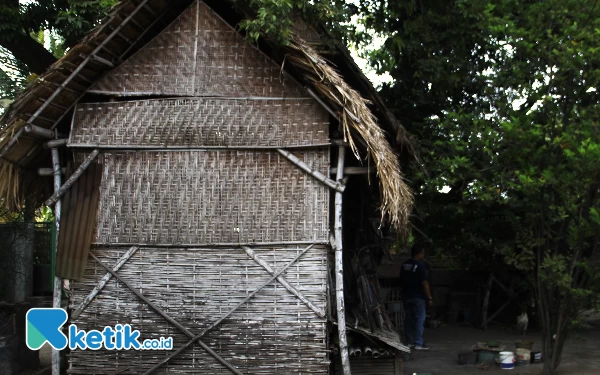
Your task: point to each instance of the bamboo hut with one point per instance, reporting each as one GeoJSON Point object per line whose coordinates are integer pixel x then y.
{"type": "Point", "coordinates": [203, 191]}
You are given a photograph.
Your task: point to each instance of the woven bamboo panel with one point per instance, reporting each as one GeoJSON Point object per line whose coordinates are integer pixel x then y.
{"type": "Point", "coordinates": [207, 197]}
{"type": "Point", "coordinates": [199, 55]}
{"type": "Point", "coordinates": [272, 333]}
{"type": "Point", "coordinates": [200, 122]}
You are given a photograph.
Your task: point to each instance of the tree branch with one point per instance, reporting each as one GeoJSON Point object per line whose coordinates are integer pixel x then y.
{"type": "Point", "coordinates": [28, 51]}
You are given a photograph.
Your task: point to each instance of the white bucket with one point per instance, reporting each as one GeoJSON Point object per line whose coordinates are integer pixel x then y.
{"type": "Point", "coordinates": [507, 360]}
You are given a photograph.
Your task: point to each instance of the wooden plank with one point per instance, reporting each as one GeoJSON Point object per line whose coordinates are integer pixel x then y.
{"type": "Point", "coordinates": [103, 281]}
{"type": "Point", "coordinates": [284, 282]}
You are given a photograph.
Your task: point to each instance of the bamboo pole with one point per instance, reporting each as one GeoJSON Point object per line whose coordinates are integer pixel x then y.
{"type": "Point", "coordinates": [57, 293]}
{"type": "Point", "coordinates": [63, 189]}
{"type": "Point", "coordinates": [284, 282]}
{"type": "Point", "coordinates": [191, 148]}
{"type": "Point", "coordinates": [50, 171]}
{"type": "Point", "coordinates": [339, 267]}
{"type": "Point", "coordinates": [335, 185]}
{"type": "Point", "coordinates": [56, 143]}
{"type": "Point", "coordinates": [38, 131]}
{"type": "Point", "coordinates": [354, 170]}
{"type": "Point", "coordinates": [120, 262]}
{"type": "Point", "coordinates": [168, 318]}
{"type": "Point", "coordinates": [211, 245]}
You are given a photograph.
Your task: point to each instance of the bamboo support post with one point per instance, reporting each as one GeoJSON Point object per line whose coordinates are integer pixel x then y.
{"type": "Point", "coordinates": [57, 293]}
{"type": "Point", "coordinates": [63, 189]}
{"type": "Point", "coordinates": [339, 267]}
{"type": "Point", "coordinates": [120, 262]}
{"type": "Point", "coordinates": [56, 143]}
{"type": "Point", "coordinates": [168, 318]}
{"type": "Point", "coordinates": [38, 131]}
{"type": "Point", "coordinates": [284, 282]}
{"type": "Point", "coordinates": [335, 185]}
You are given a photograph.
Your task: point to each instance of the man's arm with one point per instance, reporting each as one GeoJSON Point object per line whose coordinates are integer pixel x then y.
{"type": "Point", "coordinates": [427, 292]}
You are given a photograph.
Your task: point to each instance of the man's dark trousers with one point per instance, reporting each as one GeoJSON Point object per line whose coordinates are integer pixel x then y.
{"type": "Point", "coordinates": [414, 319]}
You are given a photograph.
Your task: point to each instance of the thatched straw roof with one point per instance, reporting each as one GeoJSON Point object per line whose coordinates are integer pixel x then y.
{"type": "Point", "coordinates": [356, 118]}
{"type": "Point", "coordinates": [49, 101]}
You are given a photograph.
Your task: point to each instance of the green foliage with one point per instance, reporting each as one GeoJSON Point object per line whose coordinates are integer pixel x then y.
{"type": "Point", "coordinates": [503, 98]}
{"type": "Point", "coordinates": [274, 19]}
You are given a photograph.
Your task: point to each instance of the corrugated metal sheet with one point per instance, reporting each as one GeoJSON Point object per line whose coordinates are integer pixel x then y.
{"type": "Point", "coordinates": [79, 211]}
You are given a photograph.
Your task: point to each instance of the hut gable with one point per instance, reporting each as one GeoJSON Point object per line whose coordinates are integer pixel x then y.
{"type": "Point", "coordinates": [199, 55]}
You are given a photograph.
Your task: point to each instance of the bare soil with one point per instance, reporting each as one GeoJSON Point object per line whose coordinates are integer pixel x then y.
{"type": "Point", "coordinates": [581, 354]}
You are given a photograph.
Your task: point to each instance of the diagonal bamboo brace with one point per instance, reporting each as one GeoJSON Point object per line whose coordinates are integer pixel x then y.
{"type": "Point", "coordinates": [337, 186]}
{"type": "Point", "coordinates": [63, 189]}
{"type": "Point", "coordinates": [284, 282]}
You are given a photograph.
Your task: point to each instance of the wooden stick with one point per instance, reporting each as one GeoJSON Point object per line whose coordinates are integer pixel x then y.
{"type": "Point", "coordinates": [38, 131]}
{"type": "Point", "coordinates": [168, 318]}
{"type": "Point", "coordinates": [120, 262]}
{"type": "Point", "coordinates": [284, 282]}
{"type": "Point", "coordinates": [57, 292]}
{"type": "Point", "coordinates": [63, 189]}
{"type": "Point", "coordinates": [195, 338]}
{"type": "Point", "coordinates": [337, 186]}
{"type": "Point", "coordinates": [192, 148]}
{"type": "Point", "coordinates": [339, 267]}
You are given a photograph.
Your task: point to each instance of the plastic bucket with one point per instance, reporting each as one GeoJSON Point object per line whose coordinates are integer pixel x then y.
{"type": "Point", "coordinates": [523, 356]}
{"type": "Point", "coordinates": [507, 360]}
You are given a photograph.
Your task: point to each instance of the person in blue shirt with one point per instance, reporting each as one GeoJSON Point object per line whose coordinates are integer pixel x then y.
{"type": "Point", "coordinates": [416, 297]}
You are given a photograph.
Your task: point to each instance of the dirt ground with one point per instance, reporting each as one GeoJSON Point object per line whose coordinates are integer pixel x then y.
{"type": "Point", "coordinates": [581, 355]}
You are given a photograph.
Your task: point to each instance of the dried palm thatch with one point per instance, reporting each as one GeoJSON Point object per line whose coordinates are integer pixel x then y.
{"type": "Point", "coordinates": [355, 116]}
{"type": "Point", "coordinates": [9, 185]}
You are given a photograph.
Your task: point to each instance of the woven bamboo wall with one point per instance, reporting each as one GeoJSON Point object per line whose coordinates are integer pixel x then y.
{"type": "Point", "coordinates": [207, 197]}
{"type": "Point", "coordinates": [200, 122]}
{"type": "Point", "coordinates": [273, 333]}
{"type": "Point", "coordinates": [199, 55]}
